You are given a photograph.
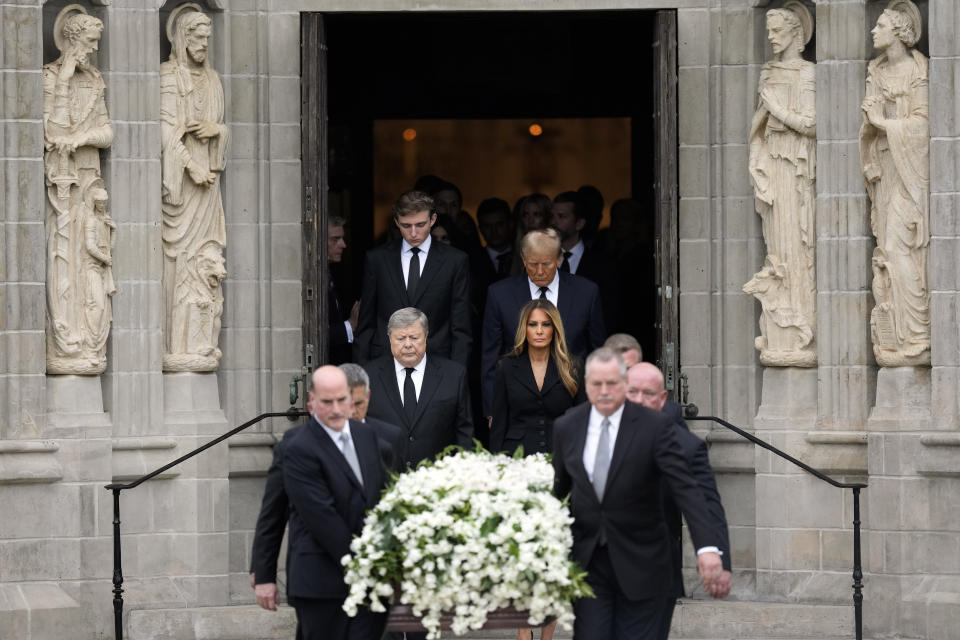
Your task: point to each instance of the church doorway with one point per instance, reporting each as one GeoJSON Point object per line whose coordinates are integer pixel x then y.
{"type": "Point", "coordinates": [502, 104]}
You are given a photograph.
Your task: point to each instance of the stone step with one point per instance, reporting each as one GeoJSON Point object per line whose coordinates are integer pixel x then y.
{"type": "Point", "coordinates": [692, 620]}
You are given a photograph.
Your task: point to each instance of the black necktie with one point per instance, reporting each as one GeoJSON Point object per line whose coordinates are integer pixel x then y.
{"type": "Point", "coordinates": [409, 396]}
{"type": "Point", "coordinates": [565, 266]}
{"type": "Point", "coordinates": [413, 278]}
{"type": "Point", "coordinates": [543, 292]}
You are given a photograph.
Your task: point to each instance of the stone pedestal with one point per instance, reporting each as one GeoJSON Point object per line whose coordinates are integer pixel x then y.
{"type": "Point", "coordinates": [191, 404]}
{"type": "Point", "coordinates": [788, 399]}
{"type": "Point", "coordinates": [75, 408]}
{"type": "Point", "coordinates": [903, 400]}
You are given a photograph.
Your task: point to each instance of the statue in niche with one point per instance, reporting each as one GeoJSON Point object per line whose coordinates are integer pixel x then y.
{"type": "Point", "coordinates": [75, 127]}
{"type": "Point", "coordinates": [783, 171]}
{"type": "Point", "coordinates": [194, 229]}
{"type": "Point", "coordinates": [894, 152]}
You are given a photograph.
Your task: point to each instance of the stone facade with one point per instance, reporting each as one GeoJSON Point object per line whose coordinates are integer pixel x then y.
{"type": "Point", "coordinates": [187, 536]}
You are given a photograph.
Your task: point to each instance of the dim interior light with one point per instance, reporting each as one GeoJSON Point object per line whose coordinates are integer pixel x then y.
{"type": "Point", "coordinates": [535, 129]}
{"type": "Point", "coordinates": [409, 134]}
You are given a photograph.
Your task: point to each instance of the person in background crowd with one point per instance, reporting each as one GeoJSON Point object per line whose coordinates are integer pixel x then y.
{"type": "Point", "coordinates": [577, 299]}
{"type": "Point", "coordinates": [568, 217]}
{"type": "Point", "coordinates": [496, 225]}
{"type": "Point", "coordinates": [592, 201]}
{"type": "Point", "coordinates": [441, 230]}
{"type": "Point", "coordinates": [342, 326]}
{"type": "Point", "coordinates": [388, 434]}
{"type": "Point", "coordinates": [627, 346]}
{"type": "Point", "coordinates": [645, 387]}
{"type": "Point", "coordinates": [532, 212]}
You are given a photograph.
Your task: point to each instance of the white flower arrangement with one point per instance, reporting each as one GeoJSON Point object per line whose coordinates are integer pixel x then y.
{"type": "Point", "coordinates": [468, 534]}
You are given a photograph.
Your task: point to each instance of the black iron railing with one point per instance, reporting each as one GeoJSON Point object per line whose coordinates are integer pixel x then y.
{"type": "Point", "coordinates": [854, 486]}
{"type": "Point", "coordinates": [116, 488]}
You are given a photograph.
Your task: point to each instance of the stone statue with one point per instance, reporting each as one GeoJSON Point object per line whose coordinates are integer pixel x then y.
{"type": "Point", "coordinates": [194, 229]}
{"type": "Point", "coordinates": [894, 151]}
{"type": "Point", "coordinates": [783, 149]}
{"type": "Point", "coordinates": [75, 127]}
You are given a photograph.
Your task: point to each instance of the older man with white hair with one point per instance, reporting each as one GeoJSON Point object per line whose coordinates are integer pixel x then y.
{"type": "Point", "coordinates": [427, 397]}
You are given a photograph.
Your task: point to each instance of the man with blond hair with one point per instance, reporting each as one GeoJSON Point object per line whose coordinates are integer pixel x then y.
{"type": "Point", "coordinates": [577, 299]}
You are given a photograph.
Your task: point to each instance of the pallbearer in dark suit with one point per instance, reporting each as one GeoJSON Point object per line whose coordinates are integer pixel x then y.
{"type": "Point", "coordinates": [427, 396]}
{"type": "Point", "coordinates": [332, 474]}
{"type": "Point", "coordinates": [342, 319]}
{"type": "Point", "coordinates": [274, 508]}
{"type": "Point", "coordinates": [610, 457]}
{"type": "Point", "coordinates": [390, 436]}
{"type": "Point", "coordinates": [578, 301]}
{"type": "Point", "coordinates": [645, 387]}
{"type": "Point", "coordinates": [415, 272]}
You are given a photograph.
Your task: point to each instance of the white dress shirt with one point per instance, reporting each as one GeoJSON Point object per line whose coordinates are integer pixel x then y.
{"type": "Point", "coordinates": [417, 375]}
{"type": "Point", "coordinates": [576, 253]}
{"type": "Point", "coordinates": [593, 439]}
{"type": "Point", "coordinates": [335, 435]}
{"type": "Point", "coordinates": [553, 289]}
{"type": "Point", "coordinates": [406, 254]}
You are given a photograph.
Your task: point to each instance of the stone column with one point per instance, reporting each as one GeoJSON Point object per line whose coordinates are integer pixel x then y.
{"type": "Point", "coordinates": [914, 440]}
{"type": "Point", "coordinates": [720, 247]}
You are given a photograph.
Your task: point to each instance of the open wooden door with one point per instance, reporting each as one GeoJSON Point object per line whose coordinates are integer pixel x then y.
{"type": "Point", "coordinates": [667, 239]}
{"type": "Point", "coordinates": [313, 163]}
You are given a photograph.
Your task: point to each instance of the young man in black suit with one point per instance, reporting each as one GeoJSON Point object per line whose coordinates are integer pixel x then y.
{"type": "Point", "coordinates": [610, 457]}
{"type": "Point", "coordinates": [415, 271]}
{"type": "Point", "coordinates": [577, 299]}
{"type": "Point", "coordinates": [427, 396]}
{"type": "Point", "coordinates": [645, 386]}
{"type": "Point", "coordinates": [332, 474]}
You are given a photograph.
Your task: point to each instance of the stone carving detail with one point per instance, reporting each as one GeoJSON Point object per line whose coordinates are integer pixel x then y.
{"type": "Point", "coordinates": [194, 229]}
{"type": "Point", "coordinates": [80, 233]}
{"type": "Point", "coordinates": [783, 149]}
{"type": "Point", "coordinates": [894, 151]}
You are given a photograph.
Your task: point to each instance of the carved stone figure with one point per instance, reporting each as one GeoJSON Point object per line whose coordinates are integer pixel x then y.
{"type": "Point", "coordinates": [76, 127]}
{"type": "Point", "coordinates": [194, 229]}
{"type": "Point", "coordinates": [783, 170]}
{"type": "Point", "coordinates": [894, 151]}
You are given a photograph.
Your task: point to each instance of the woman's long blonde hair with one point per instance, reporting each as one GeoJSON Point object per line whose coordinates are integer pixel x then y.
{"type": "Point", "coordinates": [558, 346]}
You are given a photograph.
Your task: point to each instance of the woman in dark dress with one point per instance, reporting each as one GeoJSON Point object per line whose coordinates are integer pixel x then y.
{"type": "Point", "coordinates": [534, 384]}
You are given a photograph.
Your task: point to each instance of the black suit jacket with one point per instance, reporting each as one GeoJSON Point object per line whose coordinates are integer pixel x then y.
{"type": "Point", "coordinates": [524, 414]}
{"type": "Point", "coordinates": [646, 453]}
{"type": "Point", "coordinates": [443, 409]}
{"type": "Point", "coordinates": [340, 347]}
{"type": "Point", "coordinates": [596, 267]}
{"type": "Point", "coordinates": [274, 508]}
{"type": "Point", "coordinates": [695, 452]}
{"type": "Point", "coordinates": [327, 505]}
{"type": "Point", "coordinates": [578, 301]}
{"type": "Point", "coordinates": [443, 293]}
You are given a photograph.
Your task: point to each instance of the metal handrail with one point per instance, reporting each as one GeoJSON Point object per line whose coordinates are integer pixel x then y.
{"type": "Point", "coordinates": [854, 486]}
{"type": "Point", "coordinates": [116, 488]}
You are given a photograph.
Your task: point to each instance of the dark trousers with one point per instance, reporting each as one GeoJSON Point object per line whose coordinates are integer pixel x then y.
{"type": "Point", "coordinates": [322, 619]}
{"type": "Point", "coordinates": [666, 617]}
{"type": "Point", "coordinates": [611, 615]}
